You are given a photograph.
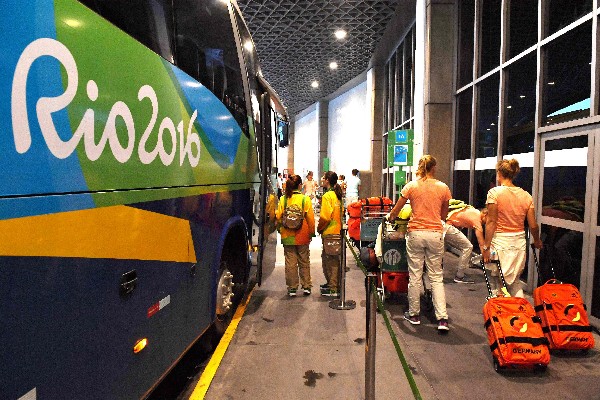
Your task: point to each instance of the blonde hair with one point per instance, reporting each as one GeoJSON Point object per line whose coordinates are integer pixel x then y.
{"type": "Point", "coordinates": [508, 168]}
{"type": "Point", "coordinates": [426, 163]}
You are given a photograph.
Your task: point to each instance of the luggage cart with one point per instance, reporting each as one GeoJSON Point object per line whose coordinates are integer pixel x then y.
{"type": "Point", "coordinates": [393, 268]}
{"type": "Point", "coordinates": [370, 219]}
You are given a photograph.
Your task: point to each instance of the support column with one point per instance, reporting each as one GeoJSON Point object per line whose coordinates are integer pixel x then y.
{"type": "Point", "coordinates": [438, 96]}
{"type": "Point", "coordinates": [323, 127]}
{"type": "Point", "coordinates": [291, 136]}
{"type": "Point", "coordinates": [377, 104]}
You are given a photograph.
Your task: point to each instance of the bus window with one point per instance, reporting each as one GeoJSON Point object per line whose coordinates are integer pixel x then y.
{"type": "Point", "coordinates": [251, 61]}
{"type": "Point", "coordinates": [152, 27]}
{"type": "Point", "coordinates": [206, 49]}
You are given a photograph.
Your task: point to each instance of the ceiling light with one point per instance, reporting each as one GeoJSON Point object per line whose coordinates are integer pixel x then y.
{"type": "Point", "coordinates": [550, 83]}
{"type": "Point", "coordinates": [314, 84]}
{"type": "Point", "coordinates": [509, 107]}
{"type": "Point", "coordinates": [521, 96]}
{"type": "Point", "coordinates": [333, 65]}
{"type": "Point", "coordinates": [340, 34]}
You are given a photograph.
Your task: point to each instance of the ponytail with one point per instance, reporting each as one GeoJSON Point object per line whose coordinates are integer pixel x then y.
{"type": "Point", "coordinates": [293, 183]}
{"type": "Point", "coordinates": [332, 178]}
{"type": "Point", "coordinates": [426, 164]}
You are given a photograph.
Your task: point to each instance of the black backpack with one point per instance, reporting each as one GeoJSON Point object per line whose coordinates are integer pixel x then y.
{"type": "Point", "coordinates": [293, 215]}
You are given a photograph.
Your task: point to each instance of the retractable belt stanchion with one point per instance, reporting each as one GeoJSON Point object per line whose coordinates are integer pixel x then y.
{"type": "Point", "coordinates": [342, 303]}
{"type": "Point", "coordinates": [371, 342]}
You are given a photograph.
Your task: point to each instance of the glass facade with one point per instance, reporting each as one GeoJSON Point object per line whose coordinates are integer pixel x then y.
{"type": "Point", "coordinates": [399, 82]}
{"type": "Point", "coordinates": [568, 75]}
{"type": "Point", "coordinates": [398, 110]}
{"type": "Point", "coordinates": [524, 78]}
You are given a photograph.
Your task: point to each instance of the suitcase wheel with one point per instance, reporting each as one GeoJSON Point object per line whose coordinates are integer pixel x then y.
{"type": "Point", "coordinates": [497, 366]}
{"type": "Point", "coordinates": [540, 368]}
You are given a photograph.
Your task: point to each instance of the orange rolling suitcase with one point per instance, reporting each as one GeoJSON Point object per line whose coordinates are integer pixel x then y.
{"type": "Point", "coordinates": [514, 332]}
{"type": "Point", "coordinates": [562, 311]}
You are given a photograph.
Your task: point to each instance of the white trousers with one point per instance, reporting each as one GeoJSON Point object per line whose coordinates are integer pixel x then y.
{"type": "Point", "coordinates": [511, 248]}
{"type": "Point", "coordinates": [428, 247]}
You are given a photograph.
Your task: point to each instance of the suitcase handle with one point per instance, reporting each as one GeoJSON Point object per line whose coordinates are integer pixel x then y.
{"type": "Point", "coordinates": [487, 281]}
{"type": "Point", "coordinates": [537, 267]}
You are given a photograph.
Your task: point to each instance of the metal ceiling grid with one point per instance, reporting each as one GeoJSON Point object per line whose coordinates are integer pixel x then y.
{"type": "Point", "coordinates": [295, 43]}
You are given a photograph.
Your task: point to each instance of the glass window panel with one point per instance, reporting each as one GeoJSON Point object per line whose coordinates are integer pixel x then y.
{"type": "Point", "coordinates": [462, 146]}
{"type": "Point", "coordinates": [562, 253]}
{"type": "Point", "coordinates": [487, 117]}
{"type": "Point", "coordinates": [596, 288]}
{"type": "Point", "coordinates": [484, 181]}
{"type": "Point", "coordinates": [399, 90]}
{"type": "Point", "coordinates": [519, 111]}
{"type": "Point", "coordinates": [565, 173]}
{"type": "Point", "coordinates": [523, 25]}
{"type": "Point", "coordinates": [465, 42]}
{"type": "Point", "coordinates": [408, 54]}
{"type": "Point", "coordinates": [567, 80]}
{"type": "Point", "coordinates": [562, 12]}
{"type": "Point", "coordinates": [210, 55]}
{"type": "Point", "coordinates": [152, 25]}
{"type": "Point", "coordinates": [490, 35]}
{"type": "Point", "coordinates": [461, 185]}
{"type": "Point", "coordinates": [524, 178]}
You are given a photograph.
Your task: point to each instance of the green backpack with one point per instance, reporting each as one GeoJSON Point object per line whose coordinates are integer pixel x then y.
{"type": "Point", "coordinates": [293, 215]}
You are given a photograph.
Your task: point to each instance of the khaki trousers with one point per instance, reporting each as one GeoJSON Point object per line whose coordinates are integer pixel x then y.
{"type": "Point", "coordinates": [331, 270]}
{"type": "Point", "coordinates": [297, 266]}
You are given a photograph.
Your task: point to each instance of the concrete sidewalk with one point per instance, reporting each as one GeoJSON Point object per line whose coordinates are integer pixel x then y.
{"type": "Point", "coordinates": [300, 348]}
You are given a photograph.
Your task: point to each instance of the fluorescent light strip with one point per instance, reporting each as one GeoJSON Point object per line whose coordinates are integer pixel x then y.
{"type": "Point", "coordinates": [566, 158]}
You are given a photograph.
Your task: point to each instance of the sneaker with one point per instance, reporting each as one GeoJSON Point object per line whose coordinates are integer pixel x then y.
{"type": "Point", "coordinates": [327, 292]}
{"type": "Point", "coordinates": [306, 291]}
{"type": "Point", "coordinates": [464, 279]}
{"type": "Point", "coordinates": [413, 319]}
{"type": "Point", "coordinates": [443, 325]}
{"type": "Point", "coordinates": [292, 292]}
{"type": "Point", "coordinates": [324, 286]}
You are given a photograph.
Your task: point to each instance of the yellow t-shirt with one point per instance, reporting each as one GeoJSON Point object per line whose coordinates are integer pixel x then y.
{"type": "Point", "coordinates": [426, 198]}
{"type": "Point", "coordinates": [331, 209]}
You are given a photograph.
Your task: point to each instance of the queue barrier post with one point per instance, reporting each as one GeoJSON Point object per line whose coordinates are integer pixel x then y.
{"type": "Point", "coordinates": [342, 303]}
{"type": "Point", "coordinates": [371, 335]}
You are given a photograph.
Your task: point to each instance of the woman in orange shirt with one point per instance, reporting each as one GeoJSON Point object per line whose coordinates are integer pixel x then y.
{"type": "Point", "coordinates": [508, 206]}
{"type": "Point", "coordinates": [424, 240]}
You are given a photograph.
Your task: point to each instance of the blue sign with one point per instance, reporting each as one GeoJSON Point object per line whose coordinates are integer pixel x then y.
{"type": "Point", "coordinates": [400, 154]}
{"type": "Point", "coordinates": [401, 136]}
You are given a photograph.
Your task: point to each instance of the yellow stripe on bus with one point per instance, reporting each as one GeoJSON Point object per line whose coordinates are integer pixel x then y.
{"type": "Point", "coordinates": [118, 232]}
{"type": "Point", "coordinates": [213, 365]}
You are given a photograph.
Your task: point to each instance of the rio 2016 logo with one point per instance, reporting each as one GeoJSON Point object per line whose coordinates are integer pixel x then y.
{"type": "Point", "coordinates": [61, 149]}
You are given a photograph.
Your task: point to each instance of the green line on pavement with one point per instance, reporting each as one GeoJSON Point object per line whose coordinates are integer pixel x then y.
{"type": "Point", "coordinates": [409, 375]}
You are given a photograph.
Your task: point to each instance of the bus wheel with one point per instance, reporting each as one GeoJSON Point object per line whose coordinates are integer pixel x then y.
{"type": "Point", "coordinates": [224, 298]}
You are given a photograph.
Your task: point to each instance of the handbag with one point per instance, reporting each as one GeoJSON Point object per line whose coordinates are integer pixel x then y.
{"type": "Point", "coordinates": [332, 245]}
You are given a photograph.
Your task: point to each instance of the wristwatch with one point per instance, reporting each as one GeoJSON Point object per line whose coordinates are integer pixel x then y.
{"type": "Point", "coordinates": [484, 248]}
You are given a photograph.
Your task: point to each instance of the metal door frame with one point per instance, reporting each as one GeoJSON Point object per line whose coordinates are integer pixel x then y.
{"type": "Point", "coordinates": [589, 228]}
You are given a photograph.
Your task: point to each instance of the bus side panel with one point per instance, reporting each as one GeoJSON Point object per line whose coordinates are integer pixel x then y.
{"type": "Point", "coordinates": [69, 333]}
